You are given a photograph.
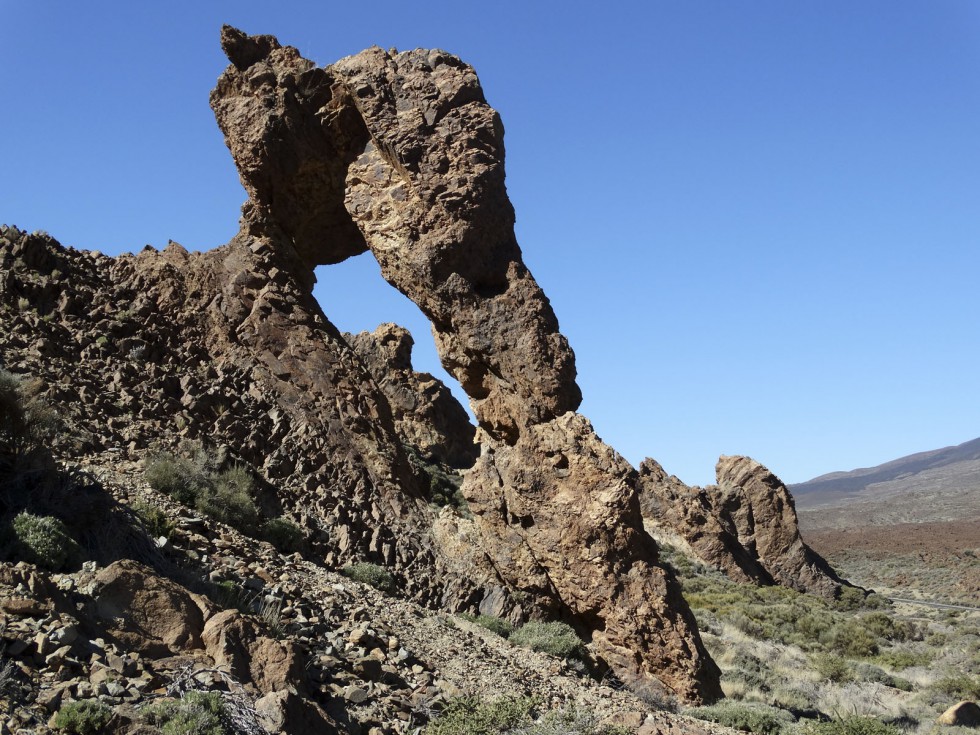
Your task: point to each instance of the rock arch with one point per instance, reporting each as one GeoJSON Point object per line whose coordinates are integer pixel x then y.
{"type": "Point", "coordinates": [399, 153]}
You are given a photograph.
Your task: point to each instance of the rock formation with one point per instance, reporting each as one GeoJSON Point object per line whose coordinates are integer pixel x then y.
{"type": "Point", "coordinates": [745, 525]}
{"type": "Point", "coordinates": [400, 154]}
{"type": "Point", "coordinates": [427, 417]}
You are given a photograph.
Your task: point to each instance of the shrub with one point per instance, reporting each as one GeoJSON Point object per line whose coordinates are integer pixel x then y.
{"type": "Point", "coordinates": [897, 659]}
{"type": "Point", "coordinates": [282, 533]}
{"type": "Point", "coordinates": [571, 721]}
{"type": "Point", "coordinates": [852, 726]}
{"type": "Point", "coordinates": [850, 638]}
{"type": "Point", "coordinates": [84, 717]}
{"type": "Point", "coordinates": [175, 476]}
{"type": "Point", "coordinates": [884, 626]}
{"type": "Point", "coordinates": [372, 574]}
{"type": "Point", "coordinates": [228, 499]}
{"type": "Point", "coordinates": [473, 716]}
{"type": "Point", "coordinates": [832, 668]}
{"type": "Point", "coordinates": [747, 718]}
{"type": "Point", "coordinates": [959, 686]}
{"type": "Point", "coordinates": [44, 540]}
{"type": "Point", "coordinates": [501, 627]}
{"type": "Point", "coordinates": [555, 638]}
{"type": "Point", "coordinates": [850, 598]}
{"type": "Point", "coordinates": [196, 713]}
{"type": "Point", "coordinates": [26, 422]}
{"type": "Point", "coordinates": [156, 521]}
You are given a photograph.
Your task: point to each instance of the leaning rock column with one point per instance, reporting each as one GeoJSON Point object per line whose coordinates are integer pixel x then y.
{"type": "Point", "coordinates": [557, 508]}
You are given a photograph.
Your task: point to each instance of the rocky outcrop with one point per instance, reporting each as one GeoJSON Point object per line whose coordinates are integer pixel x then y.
{"type": "Point", "coordinates": [745, 525]}
{"type": "Point", "coordinates": [427, 416]}
{"type": "Point", "coordinates": [400, 154]}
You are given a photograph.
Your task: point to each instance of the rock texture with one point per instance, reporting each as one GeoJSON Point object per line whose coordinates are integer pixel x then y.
{"type": "Point", "coordinates": [401, 154]}
{"type": "Point", "coordinates": [427, 417]}
{"type": "Point", "coordinates": [746, 525]}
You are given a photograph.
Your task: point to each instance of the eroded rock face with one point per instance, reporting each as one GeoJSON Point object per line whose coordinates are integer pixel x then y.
{"type": "Point", "coordinates": [426, 415]}
{"type": "Point", "coordinates": [400, 153]}
{"type": "Point", "coordinates": [745, 525]}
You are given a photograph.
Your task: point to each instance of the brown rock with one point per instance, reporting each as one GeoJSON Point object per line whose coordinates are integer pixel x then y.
{"type": "Point", "coordinates": [427, 416]}
{"type": "Point", "coordinates": [238, 643]}
{"type": "Point", "coordinates": [145, 612]}
{"type": "Point", "coordinates": [746, 525]}
{"type": "Point", "coordinates": [963, 714]}
{"type": "Point", "coordinates": [287, 712]}
{"type": "Point", "coordinates": [400, 153]}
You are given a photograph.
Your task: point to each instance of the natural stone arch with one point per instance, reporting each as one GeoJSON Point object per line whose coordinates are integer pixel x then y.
{"type": "Point", "coordinates": [401, 154]}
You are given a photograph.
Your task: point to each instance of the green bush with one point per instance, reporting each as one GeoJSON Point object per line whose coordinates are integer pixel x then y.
{"type": "Point", "coordinates": [177, 477]}
{"type": "Point", "coordinates": [475, 716]}
{"type": "Point", "coordinates": [852, 726]}
{"type": "Point", "coordinates": [228, 499]}
{"type": "Point", "coordinates": [832, 667]}
{"type": "Point", "coordinates": [282, 533]}
{"type": "Point", "coordinates": [84, 717]}
{"type": "Point", "coordinates": [555, 638]}
{"type": "Point", "coordinates": [196, 713]}
{"type": "Point", "coordinates": [904, 659]}
{"type": "Point", "coordinates": [372, 574]}
{"type": "Point", "coordinates": [959, 686]}
{"type": "Point", "coordinates": [227, 496]}
{"type": "Point", "coordinates": [501, 627]}
{"type": "Point", "coordinates": [44, 540]}
{"type": "Point", "coordinates": [850, 638]}
{"type": "Point", "coordinates": [747, 718]}
{"type": "Point", "coordinates": [156, 521]}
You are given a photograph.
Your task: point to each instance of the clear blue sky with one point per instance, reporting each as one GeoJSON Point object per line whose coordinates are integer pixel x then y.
{"type": "Point", "coordinates": [757, 220]}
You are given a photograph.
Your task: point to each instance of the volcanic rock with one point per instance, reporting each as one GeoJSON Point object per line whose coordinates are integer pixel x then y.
{"type": "Point", "coordinates": [427, 416]}
{"type": "Point", "coordinates": [746, 525]}
{"type": "Point", "coordinates": [404, 149]}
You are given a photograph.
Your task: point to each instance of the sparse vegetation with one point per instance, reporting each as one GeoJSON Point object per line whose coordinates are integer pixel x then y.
{"type": "Point", "coordinates": [503, 628]}
{"type": "Point", "coordinates": [372, 574]}
{"type": "Point", "coordinates": [755, 718]}
{"type": "Point", "coordinates": [196, 713]}
{"type": "Point", "coordinates": [555, 638]}
{"type": "Point", "coordinates": [84, 717]}
{"type": "Point", "coordinates": [157, 523]}
{"type": "Point", "coordinates": [44, 540]}
{"type": "Point", "coordinates": [282, 533]}
{"type": "Point", "coordinates": [227, 496]}
{"type": "Point", "coordinates": [852, 726]}
{"type": "Point", "coordinates": [476, 716]}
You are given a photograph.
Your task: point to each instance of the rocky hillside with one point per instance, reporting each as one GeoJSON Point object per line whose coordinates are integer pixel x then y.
{"type": "Point", "coordinates": [939, 485]}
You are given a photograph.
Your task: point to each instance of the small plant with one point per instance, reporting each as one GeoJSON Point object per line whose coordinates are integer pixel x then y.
{"type": "Point", "coordinates": [84, 717]}
{"type": "Point", "coordinates": [475, 716]}
{"type": "Point", "coordinates": [555, 638]}
{"type": "Point", "coordinates": [503, 628]}
{"type": "Point", "coordinates": [158, 524]}
{"type": "Point", "coordinates": [747, 718]}
{"type": "Point", "coordinates": [959, 686]}
{"type": "Point", "coordinates": [372, 574]}
{"type": "Point", "coordinates": [177, 477]}
{"type": "Point", "coordinates": [228, 499]}
{"type": "Point", "coordinates": [282, 533]}
{"type": "Point", "coordinates": [852, 726]}
{"type": "Point", "coordinates": [195, 713]}
{"type": "Point", "coordinates": [44, 540]}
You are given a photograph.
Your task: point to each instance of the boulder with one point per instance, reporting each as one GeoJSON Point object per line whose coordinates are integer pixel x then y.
{"type": "Point", "coordinates": [962, 714]}
{"type": "Point", "coordinates": [146, 612]}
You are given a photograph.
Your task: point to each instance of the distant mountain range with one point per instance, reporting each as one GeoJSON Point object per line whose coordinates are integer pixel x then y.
{"type": "Point", "coordinates": [938, 485]}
